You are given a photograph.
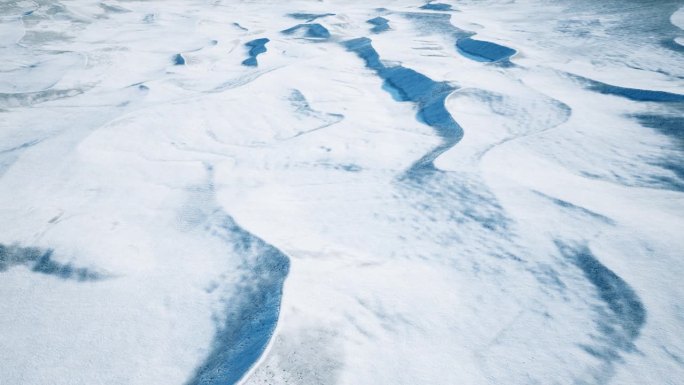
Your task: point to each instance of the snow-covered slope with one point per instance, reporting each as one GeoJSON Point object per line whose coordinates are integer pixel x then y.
{"type": "Point", "coordinates": [341, 192]}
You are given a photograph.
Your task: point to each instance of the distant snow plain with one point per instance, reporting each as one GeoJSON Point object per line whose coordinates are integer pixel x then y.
{"type": "Point", "coordinates": [341, 192]}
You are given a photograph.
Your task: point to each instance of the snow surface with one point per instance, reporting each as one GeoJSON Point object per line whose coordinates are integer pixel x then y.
{"type": "Point", "coordinates": [366, 204]}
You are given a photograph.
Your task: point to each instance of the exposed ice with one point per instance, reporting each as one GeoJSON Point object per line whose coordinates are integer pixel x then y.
{"type": "Point", "coordinates": [256, 47]}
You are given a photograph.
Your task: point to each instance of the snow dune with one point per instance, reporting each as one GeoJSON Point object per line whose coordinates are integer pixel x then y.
{"type": "Point", "coordinates": [394, 192]}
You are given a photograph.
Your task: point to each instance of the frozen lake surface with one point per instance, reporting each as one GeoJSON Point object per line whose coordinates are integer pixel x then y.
{"type": "Point", "coordinates": [341, 192]}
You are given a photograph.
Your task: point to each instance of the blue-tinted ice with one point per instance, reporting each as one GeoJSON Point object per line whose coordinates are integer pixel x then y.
{"type": "Point", "coordinates": [252, 316]}
{"type": "Point", "coordinates": [40, 261]}
{"type": "Point", "coordinates": [406, 84]}
{"type": "Point", "coordinates": [436, 7]}
{"type": "Point", "coordinates": [314, 31]}
{"type": "Point", "coordinates": [380, 24]}
{"type": "Point", "coordinates": [308, 17]}
{"type": "Point", "coordinates": [256, 47]}
{"type": "Point", "coordinates": [636, 94]}
{"type": "Point", "coordinates": [252, 313]}
{"type": "Point", "coordinates": [483, 51]}
{"type": "Point", "coordinates": [178, 60]}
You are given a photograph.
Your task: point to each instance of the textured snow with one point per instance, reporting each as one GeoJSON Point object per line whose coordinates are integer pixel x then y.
{"type": "Point", "coordinates": [341, 192]}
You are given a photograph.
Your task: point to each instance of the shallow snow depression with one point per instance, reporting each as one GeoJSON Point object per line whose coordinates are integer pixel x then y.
{"type": "Point", "coordinates": [341, 192]}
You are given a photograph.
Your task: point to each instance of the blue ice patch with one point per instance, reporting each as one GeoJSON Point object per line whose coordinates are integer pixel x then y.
{"type": "Point", "coordinates": [314, 31]}
{"type": "Point", "coordinates": [635, 94]}
{"type": "Point", "coordinates": [256, 47]}
{"type": "Point", "coordinates": [406, 84]}
{"type": "Point", "coordinates": [178, 60]}
{"type": "Point", "coordinates": [308, 17]}
{"type": "Point", "coordinates": [483, 51]}
{"type": "Point", "coordinates": [252, 315]}
{"type": "Point", "coordinates": [436, 7]}
{"type": "Point", "coordinates": [380, 24]}
{"type": "Point", "coordinates": [41, 262]}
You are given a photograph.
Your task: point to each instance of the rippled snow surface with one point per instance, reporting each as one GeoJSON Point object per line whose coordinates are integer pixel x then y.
{"type": "Point", "coordinates": [334, 192]}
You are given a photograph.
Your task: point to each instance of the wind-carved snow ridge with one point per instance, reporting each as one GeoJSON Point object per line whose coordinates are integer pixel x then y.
{"type": "Point", "coordinates": [25, 99]}
{"type": "Point", "coordinates": [578, 209]}
{"type": "Point", "coordinates": [303, 109]}
{"type": "Point", "coordinates": [10, 155]}
{"type": "Point", "coordinates": [251, 313]}
{"type": "Point", "coordinates": [40, 261]}
{"type": "Point", "coordinates": [405, 85]}
{"type": "Point", "coordinates": [666, 119]}
{"type": "Point", "coordinates": [36, 78]}
{"type": "Point", "coordinates": [487, 192]}
{"type": "Point", "coordinates": [240, 27]}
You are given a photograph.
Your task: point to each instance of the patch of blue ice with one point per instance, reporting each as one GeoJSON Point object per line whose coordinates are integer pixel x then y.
{"type": "Point", "coordinates": [313, 31]}
{"type": "Point", "coordinates": [380, 24]}
{"type": "Point", "coordinates": [429, 96]}
{"type": "Point", "coordinates": [308, 17]}
{"type": "Point", "coordinates": [256, 47]}
{"type": "Point", "coordinates": [483, 51]}
{"type": "Point", "coordinates": [40, 261]}
{"type": "Point", "coordinates": [437, 7]}
{"type": "Point", "coordinates": [636, 94]}
{"type": "Point", "coordinates": [178, 60]}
